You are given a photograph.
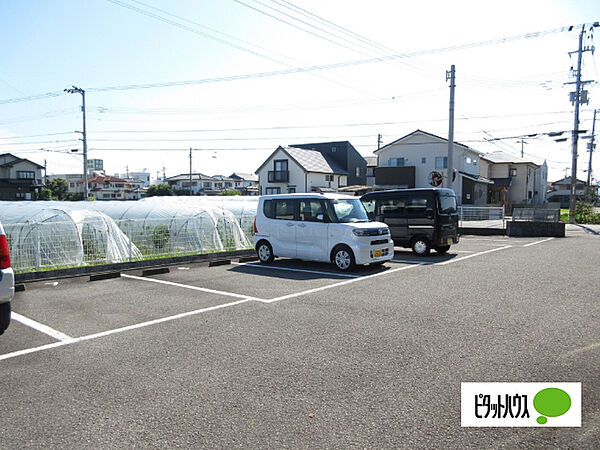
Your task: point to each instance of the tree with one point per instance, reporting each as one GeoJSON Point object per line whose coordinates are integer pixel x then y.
{"type": "Point", "coordinates": [231, 192]}
{"type": "Point", "coordinates": [56, 189]}
{"type": "Point", "coordinates": [159, 190]}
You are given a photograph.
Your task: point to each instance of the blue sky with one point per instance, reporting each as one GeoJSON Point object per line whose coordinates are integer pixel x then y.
{"type": "Point", "coordinates": [504, 89]}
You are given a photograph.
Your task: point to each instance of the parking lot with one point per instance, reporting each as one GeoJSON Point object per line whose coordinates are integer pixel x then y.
{"type": "Point", "coordinates": [296, 354]}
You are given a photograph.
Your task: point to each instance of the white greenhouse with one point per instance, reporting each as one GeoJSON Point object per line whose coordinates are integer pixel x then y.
{"type": "Point", "coordinates": [51, 234]}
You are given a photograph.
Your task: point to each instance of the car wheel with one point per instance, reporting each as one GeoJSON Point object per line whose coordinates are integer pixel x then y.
{"type": "Point", "coordinates": [265, 252]}
{"type": "Point", "coordinates": [4, 316]}
{"type": "Point", "coordinates": [443, 249]}
{"type": "Point", "coordinates": [421, 246]}
{"type": "Point", "coordinates": [343, 258]}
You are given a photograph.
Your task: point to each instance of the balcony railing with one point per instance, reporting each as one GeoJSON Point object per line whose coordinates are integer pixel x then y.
{"type": "Point", "coordinates": [279, 176]}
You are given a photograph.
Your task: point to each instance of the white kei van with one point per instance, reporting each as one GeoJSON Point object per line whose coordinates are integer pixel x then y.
{"type": "Point", "coordinates": [319, 227]}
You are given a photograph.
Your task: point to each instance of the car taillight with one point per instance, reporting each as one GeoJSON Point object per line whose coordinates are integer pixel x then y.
{"type": "Point", "coordinates": [255, 229]}
{"type": "Point", "coordinates": [4, 253]}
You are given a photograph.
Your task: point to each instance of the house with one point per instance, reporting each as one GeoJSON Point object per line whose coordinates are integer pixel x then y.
{"type": "Point", "coordinates": [417, 160]}
{"type": "Point", "coordinates": [293, 169]}
{"type": "Point", "coordinates": [560, 191]}
{"type": "Point", "coordinates": [371, 165]}
{"type": "Point", "coordinates": [200, 183]}
{"type": "Point", "coordinates": [20, 178]}
{"type": "Point", "coordinates": [516, 180]}
{"type": "Point", "coordinates": [144, 177]}
{"type": "Point", "coordinates": [345, 156]}
{"type": "Point", "coordinates": [246, 183]}
{"type": "Point", "coordinates": [113, 188]}
{"type": "Point", "coordinates": [74, 182]}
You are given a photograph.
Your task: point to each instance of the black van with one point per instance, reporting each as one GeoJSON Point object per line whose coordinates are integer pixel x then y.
{"type": "Point", "coordinates": [421, 219]}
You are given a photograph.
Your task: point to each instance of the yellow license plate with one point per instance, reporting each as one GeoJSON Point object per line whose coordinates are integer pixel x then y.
{"type": "Point", "coordinates": [377, 253]}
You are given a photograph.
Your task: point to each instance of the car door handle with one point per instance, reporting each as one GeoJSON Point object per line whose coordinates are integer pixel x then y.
{"type": "Point", "coordinates": [289, 224]}
{"type": "Point", "coordinates": [302, 225]}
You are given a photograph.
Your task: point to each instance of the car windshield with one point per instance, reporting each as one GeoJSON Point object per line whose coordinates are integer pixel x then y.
{"type": "Point", "coordinates": [346, 211]}
{"type": "Point", "coordinates": [447, 204]}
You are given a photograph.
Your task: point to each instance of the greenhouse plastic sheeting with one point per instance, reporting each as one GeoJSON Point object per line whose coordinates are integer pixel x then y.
{"type": "Point", "coordinates": [242, 207]}
{"type": "Point", "coordinates": [50, 234]}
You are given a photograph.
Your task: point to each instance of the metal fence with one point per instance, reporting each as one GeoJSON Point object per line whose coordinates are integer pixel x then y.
{"type": "Point", "coordinates": [481, 217]}
{"type": "Point", "coordinates": [37, 246]}
{"type": "Point", "coordinates": [536, 215]}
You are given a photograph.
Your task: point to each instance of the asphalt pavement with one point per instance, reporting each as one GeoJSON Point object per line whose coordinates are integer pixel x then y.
{"type": "Point", "coordinates": [298, 355]}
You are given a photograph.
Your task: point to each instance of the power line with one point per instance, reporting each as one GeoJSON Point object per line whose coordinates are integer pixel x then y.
{"type": "Point", "coordinates": [330, 66]}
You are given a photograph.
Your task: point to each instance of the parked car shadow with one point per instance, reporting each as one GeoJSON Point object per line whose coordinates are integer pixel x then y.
{"type": "Point", "coordinates": [294, 269]}
{"type": "Point", "coordinates": [409, 257]}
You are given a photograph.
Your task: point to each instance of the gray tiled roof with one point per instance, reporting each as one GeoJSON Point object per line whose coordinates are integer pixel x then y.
{"type": "Point", "coordinates": [315, 161]}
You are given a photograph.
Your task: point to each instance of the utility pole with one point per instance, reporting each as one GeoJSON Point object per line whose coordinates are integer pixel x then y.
{"type": "Point", "coordinates": [190, 170]}
{"type": "Point", "coordinates": [451, 75]}
{"type": "Point", "coordinates": [46, 172]}
{"type": "Point", "coordinates": [591, 144]}
{"type": "Point", "coordinates": [522, 141]}
{"type": "Point", "coordinates": [76, 90]}
{"type": "Point", "coordinates": [379, 136]}
{"type": "Point", "coordinates": [577, 98]}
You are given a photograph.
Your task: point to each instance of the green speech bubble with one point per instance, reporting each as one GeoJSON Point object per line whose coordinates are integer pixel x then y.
{"type": "Point", "coordinates": [552, 402]}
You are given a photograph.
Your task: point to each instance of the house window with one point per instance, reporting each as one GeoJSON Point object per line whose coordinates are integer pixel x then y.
{"type": "Point", "coordinates": [291, 190]}
{"type": "Point", "coordinates": [328, 177]}
{"type": "Point", "coordinates": [333, 149]}
{"type": "Point", "coordinates": [423, 160]}
{"type": "Point", "coordinates": [441, 162]}
{"type": "Point", "coordinates": [280, 165]}
{"type": "Point", "coordinates": [20, 195]}
{"type": "Point", "coordinates": [25, 175]}
{"type": "Point", "coordinates": [72, 185]}
{"type": "Point", "coordinates": [512, 172]}
{"type": "Point", "coordinates": [358, 172]}
{"type": "Point", "coordinates": [397, 162]}
{"type": "Point", "coordinates": [206, 184]}
{"type": "Point", "coordinates": [272, 190]}
{"type": "Point", "coordinates": [468, 159]}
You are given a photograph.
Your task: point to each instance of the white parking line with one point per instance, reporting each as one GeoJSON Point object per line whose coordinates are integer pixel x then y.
{"type": "Point", "coordinates": [582, 350]}
{"type": "Point", "coordinates": [291, 269]}
{"type": "Point", "coordinates": [244, 299]}
{"type": "Point", "coordinates": [538, 242]}
{"type": "Point", "coordinates": [414, 264]}
{"type": "Point", "coordinates": [120, 330]}
{"type": "Point", "coordinates": [450, 261]}
{"type": "Point", "coordinates": [341, 283]}
{"type": "Point", "coordinates": [40, 327]}
{"type": "Point", "coordinates": [187, 286]}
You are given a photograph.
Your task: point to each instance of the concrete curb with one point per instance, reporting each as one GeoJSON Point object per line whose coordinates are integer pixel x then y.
{"type": "Point", "coordinates": [116, 267]}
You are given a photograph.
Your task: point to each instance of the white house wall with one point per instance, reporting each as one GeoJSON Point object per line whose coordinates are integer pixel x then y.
{"type": "Point", "coordinates": [296, 173]}
{"type": "Point", "coordinates": [419, 146]}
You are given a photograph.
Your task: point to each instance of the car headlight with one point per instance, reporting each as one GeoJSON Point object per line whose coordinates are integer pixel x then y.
{"type": "Point", "coordinates": [371, 231]}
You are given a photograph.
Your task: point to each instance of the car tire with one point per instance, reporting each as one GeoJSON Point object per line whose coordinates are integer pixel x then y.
{"type": "Point", "coordinates": [264, 252]}
{"type": "Point", "coordinates": [343, 258]}
{"type": "Point", "coordinates": [4, 316]}
{"type": "Point", "coordinates": [421, 246]}
{"type": "Point", "coordinates": [442, 249]}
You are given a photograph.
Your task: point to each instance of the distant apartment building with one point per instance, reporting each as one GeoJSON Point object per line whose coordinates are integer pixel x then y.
{"type": "Point", "coordinates": [95, 165]}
